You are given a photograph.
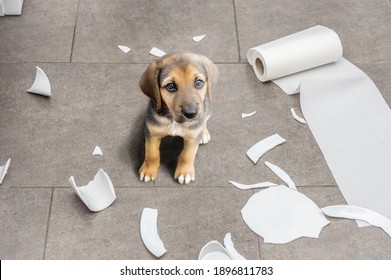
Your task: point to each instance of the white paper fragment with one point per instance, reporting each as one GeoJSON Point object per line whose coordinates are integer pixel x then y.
{"type": "Point", "coordinates": [97, 151]}
{"type": "Point", "coordinates": [296, 117]}
{"type": "Point", "coordinates": [98, 194]}
{"type": "Point", "coordinates": [41, 84]}
{"type": "Point", "coordinates": [198, 38]}
{"type": "Point", "coordinates": [125, 49]}
{"type": "Point", "coordinates": [4, 169]}
{"type": "Point", "coordinates": [229, 246]}
{"type": "Point", "coordinates": [280, 215]}
{"type": "Point", "coordinates": [359, 213]}
{"type": "Point", "coordinates": [282, 174]}
{"type": "Point", "coordinates": [253, 186]}
{"type": "Point", "coordinates": [244, 115]}
{"type": "Point", "coordinates": [149, 233]}
{"type": "Point", "coordinates": [157, 52]}
{"type": "Point", "coordinates": [214, 251]}
{"type": "Point", "coordinates": [260, 148]}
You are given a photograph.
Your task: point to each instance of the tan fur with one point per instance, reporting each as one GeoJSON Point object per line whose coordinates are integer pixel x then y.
{"type": "Point", "coordinates": [181, 113]}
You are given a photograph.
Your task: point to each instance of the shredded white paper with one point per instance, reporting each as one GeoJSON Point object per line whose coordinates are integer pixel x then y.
{"type": "Point", "coordinates": [282, 174]}
{"type": "Point", "coordinates": [260, 148]}
{"type": "Point", "coordinates": [198, 38]}
{"type": "Point", "coordinates": [97, 151]}
{"type": "Point", "coordinates": [149, 233]}
{"type": "Point", "coordinates": [245, 115]}
{"type": "Point", "coordinates": [252, 186]}
{"type": "Point", "coordinates": [296, 117]}
{"type": "Point", "coordinates": [157, 52]}
{"type": "Point", "coordinates": [125, 49]}
{"type": "Point", "coordinates": [4, 169]}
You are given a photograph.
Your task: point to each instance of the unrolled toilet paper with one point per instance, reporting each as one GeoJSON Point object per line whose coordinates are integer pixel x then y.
{"type": "Point", "coordinates": [345, 111]}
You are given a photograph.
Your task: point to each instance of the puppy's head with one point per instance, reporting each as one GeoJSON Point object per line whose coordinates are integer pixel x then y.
{"type": "Point", "coordinates": [180, 82]}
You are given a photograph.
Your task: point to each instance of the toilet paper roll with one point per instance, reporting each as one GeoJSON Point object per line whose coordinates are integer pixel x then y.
{"type": "Point", "coordinates": [300, 51]}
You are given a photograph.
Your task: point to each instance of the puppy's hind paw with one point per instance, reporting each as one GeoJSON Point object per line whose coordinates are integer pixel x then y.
{"type": "Point", "coordinates": [205, 137]}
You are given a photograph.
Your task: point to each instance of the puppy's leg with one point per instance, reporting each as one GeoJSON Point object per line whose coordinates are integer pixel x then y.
{"type": "Point", "coordinates": [149, 169]}
{"type": "Point", "coordinates": [185, 167]}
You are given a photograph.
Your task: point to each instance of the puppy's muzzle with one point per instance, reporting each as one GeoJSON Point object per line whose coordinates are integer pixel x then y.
{"type": "Point", "coordinates": [190, 112]}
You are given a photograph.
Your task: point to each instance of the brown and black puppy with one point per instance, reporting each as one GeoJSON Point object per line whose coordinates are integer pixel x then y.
{"type": "Point", "coordinates": [180, 87]}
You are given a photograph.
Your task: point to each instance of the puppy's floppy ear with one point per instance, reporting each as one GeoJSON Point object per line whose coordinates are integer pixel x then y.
{"type": "Point", "coordinates": [213, 74]}
{"type": "Point", "coordinates": [149, 83]}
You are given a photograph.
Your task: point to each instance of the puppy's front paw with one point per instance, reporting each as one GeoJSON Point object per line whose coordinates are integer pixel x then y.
{"type": "Point", "coordinates": [184, 174]}
{"type": "Point", "coordinates": [148, 172]}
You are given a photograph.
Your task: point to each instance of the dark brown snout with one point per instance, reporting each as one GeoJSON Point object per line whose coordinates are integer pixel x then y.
{"type": "Point", "coordinates": [190, 112]}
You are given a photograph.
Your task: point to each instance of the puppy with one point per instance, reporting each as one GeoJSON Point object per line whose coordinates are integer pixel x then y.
{"type": "Point", "coordinates": [180, 88]}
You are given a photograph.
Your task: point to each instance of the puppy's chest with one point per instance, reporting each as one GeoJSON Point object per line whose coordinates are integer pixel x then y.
{"type": "Point", "coordinates": [175, 129]}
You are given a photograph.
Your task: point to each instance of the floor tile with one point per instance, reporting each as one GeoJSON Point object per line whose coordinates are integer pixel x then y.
{"type": "Point", "coordinates": [23, 222]}
{"type": "Point", "coordinates": [142, 25]}
{"type": "Point", "coordinates": [361, 25]}
{"type": "Point", "coordinates": [341, 239]}
{"type": "Point", "coordinates": [44, 32]}
{"type": "Point", "coordinates": [188, 219]}
{"type": "Point", "coordinates": [50, 139]}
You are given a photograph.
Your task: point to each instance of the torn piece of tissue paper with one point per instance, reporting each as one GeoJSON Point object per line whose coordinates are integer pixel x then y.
{"type": "Point", "coordinates": [97, 151]}
{"type": "Point", "coordinates": [41, 84]}
{"type": "Point", "coordinates": [252, 186]}
{"type": "Point", "coordinates": [149, 233]}
{"type": "Point", "coordinates": [98, 194]}
{"type": "Point", "coordinates": [244, 115]}
{"type": "Point", "coordinates": [215, 251]}
{"type": "Point", "coordinates": [348, 116]}
{"type": "Point", "coordinates": [229, 245]}
{"type": "Point", "coordinates": [359, 213]}
{"type": "Point", "coordinates": [157, 52]}
{"type": "Point", "coordinates": [296, 117]}
{"type": "Point", "coordinates": [4, 169]}
{"type": "Point", "coordinates": [125, 49]}
{"type": "Point", "coordinates": [263, 146]}
{"type": "Point", "coordinates": [198, 38]}
{"type": "Point", "coordinates": [282, 174]}
{"type": "Point", "coordinates": [280, 215]}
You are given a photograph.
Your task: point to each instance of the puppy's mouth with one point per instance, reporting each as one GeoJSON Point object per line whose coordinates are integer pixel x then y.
{"type": "Point", "coordinates": [182, 119]}
{"type": "Point", "coordinates": [179, 118]}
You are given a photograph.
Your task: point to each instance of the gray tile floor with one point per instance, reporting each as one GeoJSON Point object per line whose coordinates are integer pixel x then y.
{"type": "Point", "coordinates": [96, 101]}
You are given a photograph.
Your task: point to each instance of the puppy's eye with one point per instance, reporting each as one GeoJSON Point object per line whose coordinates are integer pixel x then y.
{"type": "Point", "coordinates": [198, 84]}
{"type": "Point", "coordinates": [171, 87]}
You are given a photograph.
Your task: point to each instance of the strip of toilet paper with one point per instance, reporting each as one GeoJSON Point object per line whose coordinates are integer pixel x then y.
{"type": "Point", "coordinates": [345, 111]}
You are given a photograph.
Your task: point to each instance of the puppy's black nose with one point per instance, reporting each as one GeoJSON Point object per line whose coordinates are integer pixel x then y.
{"type": "Point", "coordinates": [189, 112]}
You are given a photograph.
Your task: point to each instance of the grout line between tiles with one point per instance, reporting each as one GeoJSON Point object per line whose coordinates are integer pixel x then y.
{"type": "Point", "coordinates": [47, 224]}
{"type": "Point", "coordinates": [146, 63]}
{"type": "Point", "coordinates": [74, 31]}
{"type": "Point", "coordinates": [110, 62]}
{"type": "Point", "coordinates": [162, 187]}
{"type": "Point", "coordinates": [237, 30]}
